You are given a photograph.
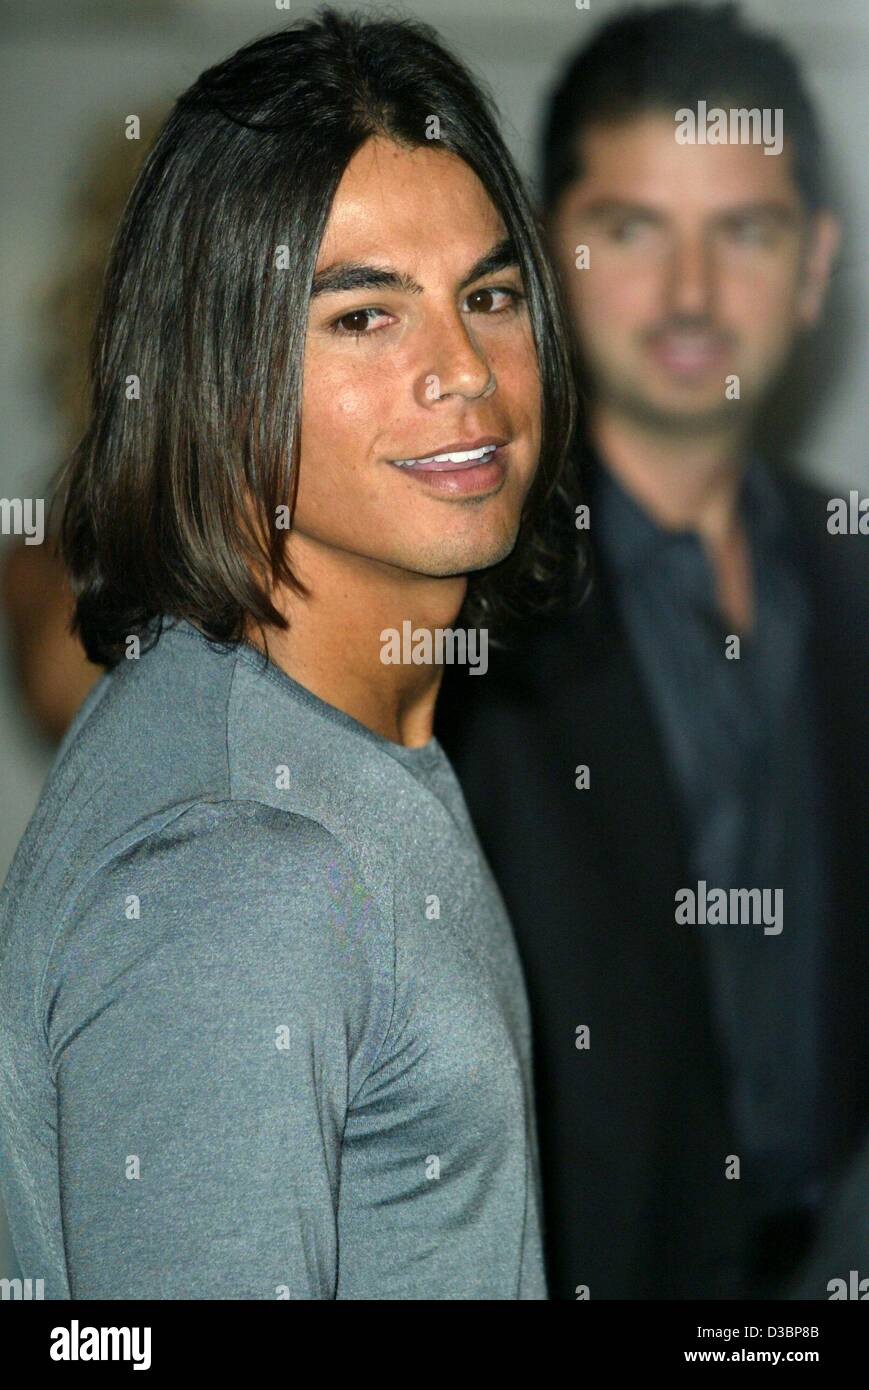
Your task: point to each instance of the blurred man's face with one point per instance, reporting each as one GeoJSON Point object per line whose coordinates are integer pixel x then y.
{"type": "Point", "coordinates": [703, 265]}
{"type": "Point", "coordinates": [421, 397]}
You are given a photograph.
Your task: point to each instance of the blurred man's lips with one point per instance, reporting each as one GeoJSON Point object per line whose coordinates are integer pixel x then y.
{"type": "Point", "coordinates": [687, 352]}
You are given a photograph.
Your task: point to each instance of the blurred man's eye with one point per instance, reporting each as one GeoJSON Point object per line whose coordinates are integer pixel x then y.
{"type": "Point", "coordinates": [629, 228]}
{"type": "Point", "coordinates": [753, 231]}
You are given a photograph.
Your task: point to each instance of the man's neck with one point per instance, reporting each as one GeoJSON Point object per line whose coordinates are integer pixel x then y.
{"type": "Point", "coordinates": [333, 645]}
{"type": "Point", "coordinates": [688, 483]}
{"type": "Point", "coordinates": [683, 483]}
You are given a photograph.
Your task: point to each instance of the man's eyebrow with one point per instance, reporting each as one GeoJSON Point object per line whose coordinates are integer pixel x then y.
{"type": "Point", "coordinates": [770, 208]}
{"type": "Point", "coordinates": [609, 207]}
{"type": "Point", "coordinates": [500, 257]}
{"type": "Point", "coordinates": [355, 275]}
{"type": "Point", "coordinates": [784, 213]}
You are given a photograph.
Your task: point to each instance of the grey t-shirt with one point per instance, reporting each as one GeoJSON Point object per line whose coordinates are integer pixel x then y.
{"type": "Point", "coordinates": [263, 1031]}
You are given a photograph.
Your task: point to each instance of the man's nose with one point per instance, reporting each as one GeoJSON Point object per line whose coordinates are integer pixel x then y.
{"type": "Point", "coordinates": [455, 365]}
{"type": "Point", "coordinates": [691, 276]}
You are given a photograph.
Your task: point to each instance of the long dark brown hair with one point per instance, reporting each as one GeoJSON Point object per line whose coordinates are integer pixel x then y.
{"type": "Point", "coordinates": [170, 498]}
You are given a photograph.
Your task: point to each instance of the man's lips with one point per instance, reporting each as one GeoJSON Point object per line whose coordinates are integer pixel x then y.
{"type": "Point", "coordinates": [688, 351]}
{"type": "Point", "coordinates": [460, 473]}
{"type": "Point", "coordinates": [454, 457]}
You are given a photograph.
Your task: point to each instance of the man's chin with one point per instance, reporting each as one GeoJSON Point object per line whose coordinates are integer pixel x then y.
{"type": "Point", "coordinates": [681, 418]}
{"type": "Point", "coordinates": [452, 561]}
{"type": "Point", "coordinates": [494, 552]}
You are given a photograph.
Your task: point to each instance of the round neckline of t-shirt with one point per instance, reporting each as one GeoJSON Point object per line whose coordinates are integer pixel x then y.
{"type": "Point", "coordinates": [426, 755]}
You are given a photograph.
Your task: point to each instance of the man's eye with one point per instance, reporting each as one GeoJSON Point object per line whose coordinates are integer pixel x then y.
{"type": "Point", "coordinates": [755, 232]}
{"type": "Point", "coordinates": [482, 301]}
{"type": "Point", "coordinates": [356, 323]}
{"type": "Point", "coordinates": [629, 229]}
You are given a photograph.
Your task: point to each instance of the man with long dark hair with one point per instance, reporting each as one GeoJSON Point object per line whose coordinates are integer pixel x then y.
{"type": "Point", "coordinates": [264, 1031]}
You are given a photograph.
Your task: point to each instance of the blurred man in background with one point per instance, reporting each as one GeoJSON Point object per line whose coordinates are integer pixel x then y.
{"type": "Point", "coordinates": [699, 724]}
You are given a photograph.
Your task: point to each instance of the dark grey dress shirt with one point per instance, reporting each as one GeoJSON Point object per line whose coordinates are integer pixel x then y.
{"type": "Point", "coordinates": [739, 734]}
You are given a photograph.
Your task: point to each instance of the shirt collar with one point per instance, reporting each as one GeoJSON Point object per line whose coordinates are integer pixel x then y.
{"type": "Point", "coordinates": [629, 538]}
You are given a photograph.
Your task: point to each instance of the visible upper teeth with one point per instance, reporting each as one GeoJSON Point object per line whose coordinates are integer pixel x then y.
{"type": "Point", "coordinates": [462, 457]}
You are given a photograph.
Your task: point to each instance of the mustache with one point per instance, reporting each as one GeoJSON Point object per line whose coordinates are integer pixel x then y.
{"type": "Point", "coordinates": [688, 324]}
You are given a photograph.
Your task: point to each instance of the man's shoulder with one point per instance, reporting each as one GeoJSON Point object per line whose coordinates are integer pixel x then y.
{"type": "Point", "coordinates": [229, 885]}
{"type": "Point", "coordinates": [149, 738]}
{"type": "Point", "coordinates": [813, 501]}
{"type": "Point", "coordinates": [231, 858]}
{"type": "Point", "coordinates": [826, 520]}
{"type": "Point", "coordinates": [153, 784]}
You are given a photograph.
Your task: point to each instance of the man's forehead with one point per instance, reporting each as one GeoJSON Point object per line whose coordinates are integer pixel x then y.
{"type": "Point", "coordinates": [382, 174]}
{"type": "Point", "coordinates": [640, 160]}
{"type": "Point", "coordinates": [412, 253]}
{"type": "Point", "coordinates": [430, 215]}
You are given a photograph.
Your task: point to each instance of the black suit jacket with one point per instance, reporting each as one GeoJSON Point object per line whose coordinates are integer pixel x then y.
{"type": "Point", "coordinates": [635, 1131]}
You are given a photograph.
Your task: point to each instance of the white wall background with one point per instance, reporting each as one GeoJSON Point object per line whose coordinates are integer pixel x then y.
{"type": "Point", "coordinates": [66, 65]}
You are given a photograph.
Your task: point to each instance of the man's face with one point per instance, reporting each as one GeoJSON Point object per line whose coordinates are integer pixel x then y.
{"type": "Point", "coordinates": [403, 371]}
{"type": "Point", "coordinates": [702, 265]}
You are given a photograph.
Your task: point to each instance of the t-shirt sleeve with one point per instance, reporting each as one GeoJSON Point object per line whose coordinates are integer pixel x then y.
{"type": "Point", "coordinates": [217, 994]}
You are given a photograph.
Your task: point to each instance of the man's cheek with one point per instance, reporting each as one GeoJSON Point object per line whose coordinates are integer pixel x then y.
{"type": "Point", "coordinates": [349, 399]}
{"type": "Point", "coordinates": [600, 299]}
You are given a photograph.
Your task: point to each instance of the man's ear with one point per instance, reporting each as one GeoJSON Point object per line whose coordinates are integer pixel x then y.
{"type": "Point", "coordinates": [824, 236]}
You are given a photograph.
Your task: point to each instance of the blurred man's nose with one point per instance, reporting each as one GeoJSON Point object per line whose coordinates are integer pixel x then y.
{"type": "Point", "coordinates": [691, 276]}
